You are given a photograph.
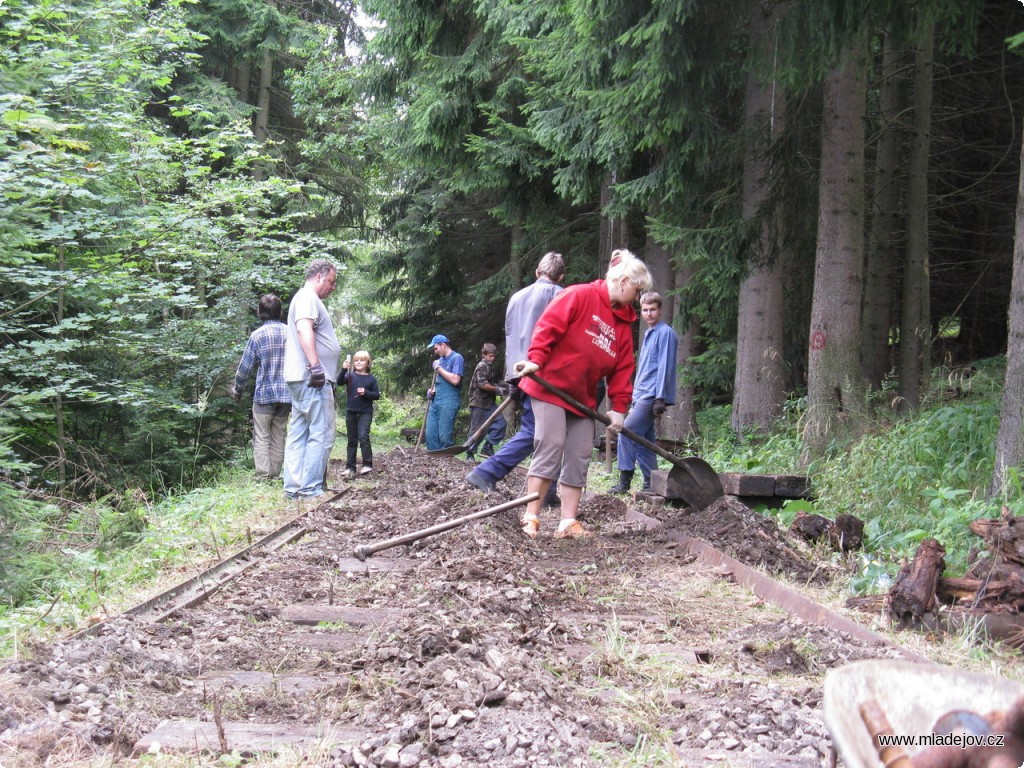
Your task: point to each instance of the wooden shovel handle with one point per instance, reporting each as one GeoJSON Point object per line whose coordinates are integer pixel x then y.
{"type": "Point", "coordinates": [426, 412]}
{"type": "Point", "coordinates": [671, 457]}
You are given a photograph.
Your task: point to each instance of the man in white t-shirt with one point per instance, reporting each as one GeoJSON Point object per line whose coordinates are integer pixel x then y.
{"type": "Point", "coordinates": [311, 361]}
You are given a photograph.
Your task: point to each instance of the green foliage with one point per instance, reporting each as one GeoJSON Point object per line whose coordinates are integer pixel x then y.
{"type": "Point", "coordinates": [81, 562]}
{"type": "Point", "coordinates": [919, 478]}
{"type": "Point", "coordinates": [131, 249]}
{"type": "Point", "coordinates": [912, 478]}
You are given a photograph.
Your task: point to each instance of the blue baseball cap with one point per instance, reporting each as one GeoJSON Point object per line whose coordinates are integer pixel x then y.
{"type": "Point", "coordinates": [439, 339]}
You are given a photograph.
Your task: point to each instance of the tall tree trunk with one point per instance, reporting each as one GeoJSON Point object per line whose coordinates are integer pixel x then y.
{"type": "Point", "coordinates": [262, 121]}
{"type": "Point", "coordinates": [238, 77]}
{"type": "Point", "coordinates": [660, 265]}
{"type": "Point", "coordinates": [880, 272]}
{"type": "Point", "coordinates": [759, 384]}
{"type": "Point", "coordinates": [58, 398]}
{"type": "Point", "coordinates": [518, 269]}
{"type": "Point", "coordinates": [915, 324]}
{"type": "Point", "coordinates": [1010, 439]}
{"type": "Point", "coordinates": [835, 390]}
{"type": "Point", "coordinates": [612, 231]}
{"type": "Point", "coordinates": [680, 421]}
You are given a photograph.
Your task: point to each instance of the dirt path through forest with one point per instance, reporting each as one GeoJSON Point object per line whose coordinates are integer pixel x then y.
{"type": "Point", "coordinates": [474, 647]}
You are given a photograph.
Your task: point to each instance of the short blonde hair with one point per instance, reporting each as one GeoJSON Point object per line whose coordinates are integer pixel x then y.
{"type": "Point", "coordinates": [624, 264]}
{"type": "Point", "coordinates": [651, 297]}
{"type": "Point", "coordinates": [364, 353]}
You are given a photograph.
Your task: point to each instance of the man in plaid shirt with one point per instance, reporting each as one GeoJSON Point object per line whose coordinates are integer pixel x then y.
{"type": "Point", "coordinates": [271, 402]}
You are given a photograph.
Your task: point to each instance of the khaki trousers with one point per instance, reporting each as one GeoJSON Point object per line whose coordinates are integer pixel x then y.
{"type": "Point", "coordinates": [268, 438]}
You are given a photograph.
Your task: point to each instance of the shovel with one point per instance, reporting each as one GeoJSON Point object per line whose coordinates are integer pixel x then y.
{"type": "Point", "coordinates": [455, 450]}
{"type": "Point", "coordinates": [423, 429]}
{"type": "Point", "coordinates": [697, 482]}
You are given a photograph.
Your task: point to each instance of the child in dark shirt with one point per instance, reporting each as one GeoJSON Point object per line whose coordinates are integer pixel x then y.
{"type": "Point", "coordinates": [361, 389]}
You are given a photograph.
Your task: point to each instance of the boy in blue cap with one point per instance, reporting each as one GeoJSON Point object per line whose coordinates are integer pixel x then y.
{"type": "Point", "coordinates": [444, 394]}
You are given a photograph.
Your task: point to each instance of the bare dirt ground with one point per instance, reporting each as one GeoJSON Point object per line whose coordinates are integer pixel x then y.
{"type": "Point", "coordinates": [473, 647]}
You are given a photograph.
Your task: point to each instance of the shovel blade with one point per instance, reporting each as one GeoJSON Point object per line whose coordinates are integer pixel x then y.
{"type": "Point", "coordinates": [452, 450]}
{"type": "Point", "coordinates": [695, 482]}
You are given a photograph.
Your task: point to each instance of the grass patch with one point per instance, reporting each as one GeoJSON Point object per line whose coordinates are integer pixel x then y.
{"type": "Point", "coordinates": [99, 566]}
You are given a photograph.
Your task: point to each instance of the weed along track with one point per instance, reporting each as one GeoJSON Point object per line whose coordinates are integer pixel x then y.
{"type": "Point", "coordinates": [471, 647]}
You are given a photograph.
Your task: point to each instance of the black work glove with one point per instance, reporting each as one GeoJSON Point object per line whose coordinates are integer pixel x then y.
{"type": "Point", "coordinates": [317, 377]}
{"type": "Point", "coordinates": [659, 407]}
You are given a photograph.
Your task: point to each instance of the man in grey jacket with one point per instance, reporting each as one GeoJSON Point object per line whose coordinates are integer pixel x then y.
{"type": "Point", "coordinates": [521, 315]}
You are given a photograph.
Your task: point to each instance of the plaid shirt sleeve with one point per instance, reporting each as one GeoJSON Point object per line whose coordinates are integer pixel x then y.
{"type": "Point", "coordinates": [245, 367]}
{"type": "Point", "coordinates": [270, 383]}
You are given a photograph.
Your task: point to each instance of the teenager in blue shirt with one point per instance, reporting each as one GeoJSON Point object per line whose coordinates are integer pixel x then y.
{"type": "Point", "coordinates": [654, 389]}
{"type": "Point", "coordinates": [444, 395]}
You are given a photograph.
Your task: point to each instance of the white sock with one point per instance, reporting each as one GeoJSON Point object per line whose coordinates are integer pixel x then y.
{"type": "Point", "coordinates": [564, 523]}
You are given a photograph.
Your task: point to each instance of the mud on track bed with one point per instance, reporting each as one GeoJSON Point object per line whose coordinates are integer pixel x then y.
{"type": "Point", "coordinates": [473, 647]}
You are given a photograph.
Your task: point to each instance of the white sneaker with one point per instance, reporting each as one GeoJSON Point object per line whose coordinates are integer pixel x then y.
{"type": "Point", "coordinates": [365, 470]}
{"type": "Point", "coordinates": [347, 473]}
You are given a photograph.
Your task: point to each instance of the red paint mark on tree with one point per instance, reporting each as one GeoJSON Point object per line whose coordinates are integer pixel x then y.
{"type": "Point", "coordinates": [818, 340]}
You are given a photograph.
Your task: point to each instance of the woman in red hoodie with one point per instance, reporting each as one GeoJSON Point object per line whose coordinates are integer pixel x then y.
{"type": "Point", "coordinates": [584, 335]}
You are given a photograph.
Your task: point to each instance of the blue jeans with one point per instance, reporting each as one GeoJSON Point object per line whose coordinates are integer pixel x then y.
{"type": "Point", "coordinates": [514, 451]}
{"type": "Point", "coordinates": [640, 419]}
{"type": "Point", "coordinates": [495, 433]}
{"type": "Point", "coordinates": [310, 439]}
{"type": "Point", "coordinates": [441, 422]}
{"type": "Point", "coordinates": [357, 424]}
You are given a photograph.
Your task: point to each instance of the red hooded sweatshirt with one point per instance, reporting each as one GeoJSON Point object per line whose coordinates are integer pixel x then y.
{"type": "Point", "coordinates": [579, 340]}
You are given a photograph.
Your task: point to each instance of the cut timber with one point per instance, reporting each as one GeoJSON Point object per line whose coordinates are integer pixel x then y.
{"type": "Point", "coordinates": [667, 652]}
{"type": "Point", "coordinates": [339, 614]}
{"type": "Point", "coordinates": [293, 684]}
{"type": "Point", "coordinates": [327, 642]}
{"type": "Point", "coordinates": [738, 484]}
{"type": "Point", "coordinates": [913, 593]}
{"type": "Point", "coordinates": [246, 738]}
{"type": "Point", "coordinates": [376, 565]}
{"type": "Point", "coordinates": [792, 487]}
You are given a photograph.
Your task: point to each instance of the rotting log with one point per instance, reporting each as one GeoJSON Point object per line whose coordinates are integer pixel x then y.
{"type": "Point", "coordinates": [952, 589]}
{"type": "Point", "coordinates": [913, 593]}
{"type": "Point", "coordinates": [1004, 536]}
{"type": "Point", "coordinates": [848, 533]}
{"type": "Point", "coordinates": [845, 533]}
{"type": "Point", "coordinates": [811, 527]}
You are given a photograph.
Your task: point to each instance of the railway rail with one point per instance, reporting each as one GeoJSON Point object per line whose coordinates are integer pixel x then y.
{"type": "Point", "coordinates": [470, 648]}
